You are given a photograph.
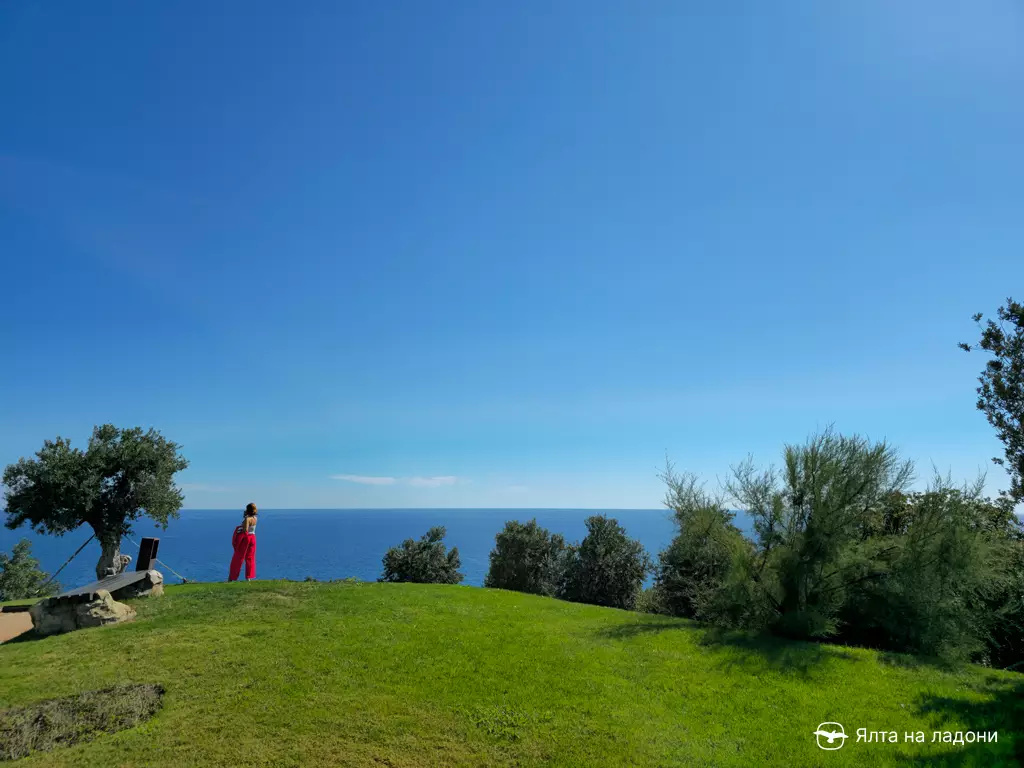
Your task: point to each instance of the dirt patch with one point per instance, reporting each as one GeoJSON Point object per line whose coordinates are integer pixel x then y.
{"type": "Point", "coordinates": [75, 719]}
{"type": "Point", "coordinates": [13, 624]}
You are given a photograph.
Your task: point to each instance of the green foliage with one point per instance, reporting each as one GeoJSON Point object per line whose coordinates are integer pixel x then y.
{"type": "Point", "coordinates": [122, 475]}
{"type": "Point", "coordinates": [423, 562]}
{"type": "Point", "coordinates": [20, 577]}
{"type": "Point", "coordinates": [841, 551]}
{"type": "Point", "coordinates": [948, 578]}
{"type": "Point", "coordinates": [526, 558]}
{"type": "Point", "coordinates": [1006, 633]}
{"type": "Point", "coordinates": [651, 600]}
{"type": "Point", "coordinates": [810, 523]}
{"type": "Point", "coordinates": [606, 568]}
{"type": "Point", "coordinates": [1001, 390]}
{"type": "Point", "coordinates": [694, 571]}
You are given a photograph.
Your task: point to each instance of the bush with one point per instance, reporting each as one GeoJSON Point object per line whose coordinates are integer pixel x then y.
{"type": "Point", "coordinates": [607, 568]}
{"type": "Point", "coordinates": [694, 571]}
{"type": "Point", "coordinates": [423, 562]}
{"type": "Point", "coordinates": [651, 600]}
{"type": "Point", "coordinates": [526, 558]}
{"type": "Point", "coordinates": [813, 524]}
{"type": "Point", "coordinates": [1006, 639]}
{"type": "Point", "coordinates": [842, 551]}
{"type": "Point", "coordinates": [20, 577]}
{"type": "Point", "coordinates": [951, 589]}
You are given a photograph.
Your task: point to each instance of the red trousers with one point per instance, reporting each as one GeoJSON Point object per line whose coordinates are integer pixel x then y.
{"type": "Point", "coordinates": [245, 549]}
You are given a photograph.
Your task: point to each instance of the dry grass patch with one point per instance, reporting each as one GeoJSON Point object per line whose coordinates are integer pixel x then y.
{"type": "Point", "coordinates": [75, 719]}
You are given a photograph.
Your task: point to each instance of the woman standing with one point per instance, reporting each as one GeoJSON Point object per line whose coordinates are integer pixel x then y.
{"type": "Point", "coordinates": [244, 542]}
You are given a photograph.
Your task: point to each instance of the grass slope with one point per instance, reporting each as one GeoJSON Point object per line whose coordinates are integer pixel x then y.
{"type": "Point", "coordinates": [295, 674]}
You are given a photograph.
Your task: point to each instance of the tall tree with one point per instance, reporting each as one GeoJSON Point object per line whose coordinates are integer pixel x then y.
{"type": "Point", "coordinates": [122, 475]}
{"type": "Point", "coordinates": [1001, 389]}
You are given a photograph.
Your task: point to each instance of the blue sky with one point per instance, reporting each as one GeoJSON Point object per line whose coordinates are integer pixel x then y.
{"type": "Point", "coordinates": [504, 254]}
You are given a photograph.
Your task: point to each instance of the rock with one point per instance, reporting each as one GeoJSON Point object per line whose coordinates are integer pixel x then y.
{"type": "Point", "coordinates": [103, 610]}
{"type": "Point", "coordinates": [57, 615]}
{"type": "Point", "coordinates": [53, 616]}
{"type": "Point", "coordinates": [151, 585]}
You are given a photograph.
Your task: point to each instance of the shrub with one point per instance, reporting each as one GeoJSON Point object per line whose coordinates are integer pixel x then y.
{"type": "Point", "coordinates": [1006, 639]}
{"type": "Point", "coordinates": [951, 588]}
{"type": "Point", "coordinates": [20, 577]}
{"type": "Point", "coordinates": [526, 558]}
{"type": "Point", "coordinates": [812, 526]}
{"type": "Point", "coordinates": [423, 562]}
{"type": "Point", "coordinates": [650, 600]}
{"type": "Point", "coordinates": [693, 572]}
{"type": "Point", "coordinates": [606, 568]}
{"type": "Point", "coordinates": [842, 551]}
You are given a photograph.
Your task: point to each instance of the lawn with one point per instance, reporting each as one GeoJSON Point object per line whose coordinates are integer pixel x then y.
{"type": "Point", "coordinates": [296, 674]}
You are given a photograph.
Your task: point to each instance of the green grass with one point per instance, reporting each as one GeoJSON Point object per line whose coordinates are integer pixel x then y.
{"type": "Point", "coordinates": [19, 602]}
{"type": "Point", "coordinates": [295, 674]}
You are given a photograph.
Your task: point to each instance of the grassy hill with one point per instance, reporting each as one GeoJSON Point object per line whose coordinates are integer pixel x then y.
{"type": "Point", "coordinates": [295, 674]}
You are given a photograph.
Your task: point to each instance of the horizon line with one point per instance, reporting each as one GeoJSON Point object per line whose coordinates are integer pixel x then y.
{"type": "Point", "coordinates": [429, 509]}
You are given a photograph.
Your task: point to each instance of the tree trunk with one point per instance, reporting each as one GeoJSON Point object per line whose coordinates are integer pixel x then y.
{"type": "Point", "coordinates": [110, 558]}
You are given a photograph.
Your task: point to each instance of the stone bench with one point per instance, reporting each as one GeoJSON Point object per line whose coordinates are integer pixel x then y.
{"type": "Point", "coordinates": [94, 605]}
{"type": "Point", "coordinates": [123, 586]}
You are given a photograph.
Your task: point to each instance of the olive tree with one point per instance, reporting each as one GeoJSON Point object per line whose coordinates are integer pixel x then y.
{"type": "Point", "coordinates": [121, 476]}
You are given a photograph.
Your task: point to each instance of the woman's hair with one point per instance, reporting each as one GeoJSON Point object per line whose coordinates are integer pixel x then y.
{"type": "Point", "coordinates": [250, 509]}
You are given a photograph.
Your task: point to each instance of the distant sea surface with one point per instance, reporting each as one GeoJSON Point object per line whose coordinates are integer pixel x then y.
{"type": "Point", "coordinates": [325, 543]}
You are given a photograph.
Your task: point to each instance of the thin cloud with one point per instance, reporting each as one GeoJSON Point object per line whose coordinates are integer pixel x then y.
{"type": "Point", "coordinates": [365, 479]}
{"type": "Point", "coordinates": [416, 482]}
{"type": "Point", "coordinates": [433, 482]}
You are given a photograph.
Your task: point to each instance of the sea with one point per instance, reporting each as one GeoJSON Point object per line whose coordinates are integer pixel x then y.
{"type": "Point", "coordinates": [324, 543]}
